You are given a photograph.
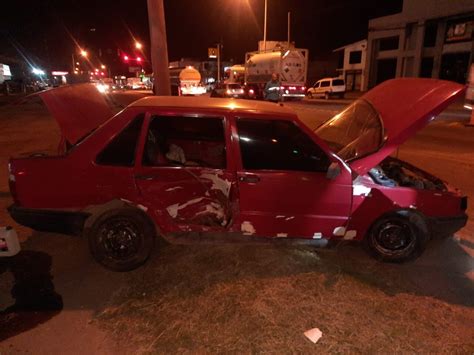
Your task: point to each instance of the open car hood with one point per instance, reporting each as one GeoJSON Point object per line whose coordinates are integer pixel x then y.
{"type": "Point", "coordinates": [78, 109]}
{"type": "Point", "coordinates": [404, 107]}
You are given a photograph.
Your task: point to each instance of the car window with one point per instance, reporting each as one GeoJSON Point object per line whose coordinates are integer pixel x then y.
{"type": "Point", "coordinates": [325, 83]}
{"type": "Point", "coordinates": [121, 150]}
{"type": "Point", "coordinates": [337, 82]}
{"type": "Point", "coordinates": [185, 141]}
{"type": "Point", "coordinates": [278, 145]}
{"type": "Point", "coordinates": [317, 85]}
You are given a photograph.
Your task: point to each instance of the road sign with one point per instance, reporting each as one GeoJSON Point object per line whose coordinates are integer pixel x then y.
{"type": "Point", "coordinates": [212, 52]}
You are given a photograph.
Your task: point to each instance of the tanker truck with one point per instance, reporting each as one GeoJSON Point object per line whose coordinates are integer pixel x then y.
{"type": "Point", "coordinates": [290, 64]}
{"type": "Point", "coordinates": [186, 82]}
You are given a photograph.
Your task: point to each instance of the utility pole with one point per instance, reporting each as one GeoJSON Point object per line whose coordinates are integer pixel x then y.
{"type": "Point", "coordinates": [289, 29]}
{"type": "Point", "coordinates": [73, 69]}
{"type": "Point", "coordinates": [159, 48]}
{"type": "Point", "coordinates": [218, 63]}
{"type": "Point", "coordinates": [265, 27]}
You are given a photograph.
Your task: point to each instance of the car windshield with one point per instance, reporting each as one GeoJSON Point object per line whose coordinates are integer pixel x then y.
{"type": "Point", "coordinates": [355, 132]}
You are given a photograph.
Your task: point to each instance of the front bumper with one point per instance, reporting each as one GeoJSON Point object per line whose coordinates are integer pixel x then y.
{"type": "Point", "coordinates": [45, 220]}
{"type": "Point", "coordinates": [446, 226]}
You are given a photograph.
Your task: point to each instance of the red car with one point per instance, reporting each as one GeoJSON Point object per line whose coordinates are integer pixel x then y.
{"type": "Point", "coordinates": [168, 165]}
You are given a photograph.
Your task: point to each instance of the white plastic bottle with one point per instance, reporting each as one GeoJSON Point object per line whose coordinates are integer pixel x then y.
{"type": "Point", "coordinates": [9, 244]}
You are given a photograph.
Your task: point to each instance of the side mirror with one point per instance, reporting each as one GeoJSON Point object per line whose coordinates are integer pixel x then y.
{"type": "Point", "coordinates": [334, 171]}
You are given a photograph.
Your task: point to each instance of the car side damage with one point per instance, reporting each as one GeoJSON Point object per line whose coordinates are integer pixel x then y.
{"type": "Point", "coordinates": [209, 205]}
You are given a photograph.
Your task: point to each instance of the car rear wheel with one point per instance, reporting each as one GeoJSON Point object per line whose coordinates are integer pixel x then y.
{"type": "Point", "coordinates": [121, 240]}
{"type": "Point", "coordinates": [396, 238]}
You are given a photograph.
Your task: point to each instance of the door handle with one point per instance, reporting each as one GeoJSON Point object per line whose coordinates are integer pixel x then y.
{"type": "Point", "coordinates": [146, 177]}
{"type": "Point", "coordinates": [249, 178]}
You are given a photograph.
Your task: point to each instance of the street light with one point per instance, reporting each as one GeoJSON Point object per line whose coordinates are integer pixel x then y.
{"type": "Point", "coordinates": [37, 71]}
{"type": "Point", "coordinates": [103, 66]}
{"type": "Point", "coordinates": [138, 45]}
{"type": "Point", "coordinates": [84, 53]}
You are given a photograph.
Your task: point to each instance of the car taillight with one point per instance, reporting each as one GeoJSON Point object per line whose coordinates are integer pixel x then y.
{"type": "Point", "coordinates": [228, 92]}
{"type": "Point", "coordinates": [282, 87]}
{"type": "Point", "coordinates": [251, 91]}
{"type": "Point", "coordinates": [303, 88]}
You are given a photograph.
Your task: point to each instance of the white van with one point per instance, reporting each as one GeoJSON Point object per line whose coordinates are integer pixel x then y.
{"type": "Point", "coordinates": [328, 87]}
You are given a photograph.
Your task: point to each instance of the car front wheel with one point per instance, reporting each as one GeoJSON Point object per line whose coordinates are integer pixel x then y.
{"type": "Point", "coordinates": [121, 240]}
{"type": "Point", "coordinates": [397, 238]}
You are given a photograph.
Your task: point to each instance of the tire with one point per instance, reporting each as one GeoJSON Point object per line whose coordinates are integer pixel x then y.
{"type": "Point", "coordinates": [397, 237]}
{"type": "Point", "coordinates": [121, 240]}
{"type": "Point", "coordinates": [310, 95]}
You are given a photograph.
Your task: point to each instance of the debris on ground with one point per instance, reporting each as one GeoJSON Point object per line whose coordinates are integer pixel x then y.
{"type": "Point", "coordinates": [313, 334]}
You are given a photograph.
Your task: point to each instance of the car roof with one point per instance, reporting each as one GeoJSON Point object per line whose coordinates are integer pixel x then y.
{"type": "Point", "coordinates": [212, 103]}
{"type": "Point", "coordinates": [330, 79]}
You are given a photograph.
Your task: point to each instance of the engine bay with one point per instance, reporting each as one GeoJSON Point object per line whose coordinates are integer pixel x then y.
{"type": "Point", "coordinates": [393, 172]}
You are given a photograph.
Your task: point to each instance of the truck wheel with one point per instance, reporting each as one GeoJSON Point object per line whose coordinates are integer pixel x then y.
{"type": "Point", "coordinates": [396, 237]}
{"type": "Point", "coordinates": [121, 240]}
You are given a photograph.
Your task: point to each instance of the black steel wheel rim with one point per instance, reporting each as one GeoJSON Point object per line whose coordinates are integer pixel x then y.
{"type": "Point", "coordinates": [120, 238]}
{"type": "Point", "coordinates": [394, 236]}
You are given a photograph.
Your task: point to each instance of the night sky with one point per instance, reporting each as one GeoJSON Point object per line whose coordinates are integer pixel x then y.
{"type": "Point", "coordinates": [44, 30]}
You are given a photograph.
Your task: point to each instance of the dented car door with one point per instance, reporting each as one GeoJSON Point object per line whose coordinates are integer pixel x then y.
{"type": "Point", "coordinates": [183, 171]}
{"type": "Point", "coordinates": [284, 188]}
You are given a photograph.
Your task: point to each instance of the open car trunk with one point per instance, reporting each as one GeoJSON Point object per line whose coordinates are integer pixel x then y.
{"type": "Point", "coordinates": [78, 110]}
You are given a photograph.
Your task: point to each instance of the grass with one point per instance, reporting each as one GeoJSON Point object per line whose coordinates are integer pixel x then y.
{"type": "Point", "coordinates": [247, 299]}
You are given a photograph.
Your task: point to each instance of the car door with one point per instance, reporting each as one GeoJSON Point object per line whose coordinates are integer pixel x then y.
{"type": "Point", "coordinates": [284, 190]}
{"type": "Point", "coordinates": [316, 87]}
{"type": "Point", "coordinates": [325, 86]}
{"type": "Point", "coordinates": [182, 172]}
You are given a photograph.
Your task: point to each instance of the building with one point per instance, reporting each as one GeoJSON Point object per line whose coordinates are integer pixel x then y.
{"type": "Point", "coordinates": [322, 66]}
{"type": "Point", "coordinates": [429, 38]}
{"type": "Point", "coordinates": [352, 66]}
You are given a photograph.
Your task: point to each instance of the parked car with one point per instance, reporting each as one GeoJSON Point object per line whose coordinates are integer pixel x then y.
{"type": "Point", "coordinates": [168, 165]}
{"type": "Point", "coordinates": [327, 88]}
{"type": "Point", "coordinates": [228, 90]}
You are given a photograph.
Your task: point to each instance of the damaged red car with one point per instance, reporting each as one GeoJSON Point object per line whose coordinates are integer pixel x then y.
{"type": "Point", "coordinates": [166, 166]}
